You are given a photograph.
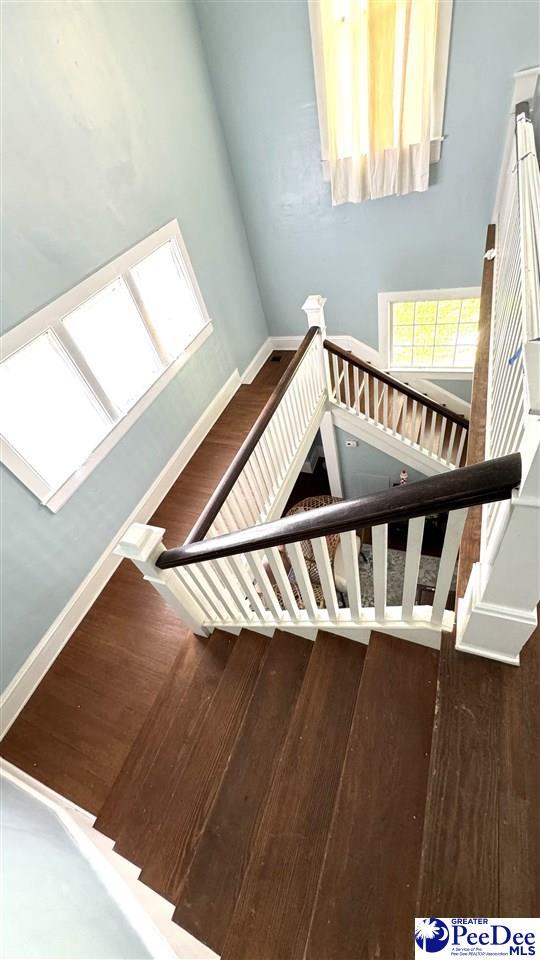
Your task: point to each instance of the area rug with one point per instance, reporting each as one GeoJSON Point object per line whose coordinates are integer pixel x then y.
{"type": "Point", "coordinates": [427, 575]}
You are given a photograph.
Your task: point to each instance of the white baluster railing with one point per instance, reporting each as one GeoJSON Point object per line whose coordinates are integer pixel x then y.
{"type": "Point", "coordinates": [285, 574]}
{"type": "Point", "coordinates": [498, 613]}
{"type": "Point", "coordinates": [395, 410]}
{"type": "Point", "coordinates": [256, 490]}
{"type": "Point", "coordinates": [514, 365]}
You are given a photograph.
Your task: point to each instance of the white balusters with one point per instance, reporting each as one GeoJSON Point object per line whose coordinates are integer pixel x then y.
{"type": "Point", "coordinates": [326, 577]}
{"type": "Point", "coordinates": [356, 389]}
{"type": "Point", "coordinates": [462, 441]}
{"type": "Point", "coordinates": [380, 561]}
{"type": "Point", "coordinates": [452, 539]}
{"type": "Point", "coordinates": [352, 573]}
{"type": "Point", "coordinates": [337, 382]}
{"type": "Point", "coordinates": [415, 534]}
{"type": "Point", "coordinates": [283, 582]}
{"type": "Point", "coordinates": [421, 438]}
{"type": "Point", "coordinates": [300, 570]}
{"type": "Point", "coordinates": [262, 580]}
{"type": "Point", "coordinates": [347, 375]}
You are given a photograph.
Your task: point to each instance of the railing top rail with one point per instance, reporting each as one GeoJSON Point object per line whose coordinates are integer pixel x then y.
{"type": "Point", "coordinates": [397, 384]}
{"type": "Point", "coordinates": [466, 487]}
{"type": "Point", "coordinates": [234, 470]}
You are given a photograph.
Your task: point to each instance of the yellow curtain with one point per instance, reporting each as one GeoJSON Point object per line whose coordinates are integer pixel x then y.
{"type": "Point", "coordinates": [374, 70]}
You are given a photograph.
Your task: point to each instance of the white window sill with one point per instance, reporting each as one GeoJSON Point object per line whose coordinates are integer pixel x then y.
{"type": "Point", "coordinates": [431, 373]}
{"type": "Point", "coordinates": [55, 500]}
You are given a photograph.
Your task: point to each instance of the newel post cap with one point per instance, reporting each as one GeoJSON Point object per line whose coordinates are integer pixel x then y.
{"type": "Point", "coordinates": [139, 541]}
{"type": "Point", "coordinates": [314, 310]}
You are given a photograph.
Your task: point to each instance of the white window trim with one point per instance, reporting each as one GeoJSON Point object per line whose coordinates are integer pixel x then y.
{"type": "Point", "coordinates": [442, 52]}
{"type": "Point", "coordinates": [424, 373]}
{"type": "Point", "coordinates": [50, 315]}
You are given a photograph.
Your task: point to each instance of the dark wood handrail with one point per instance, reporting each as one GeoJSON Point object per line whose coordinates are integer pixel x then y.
{"type": "Point", "coordinates": [232, 473]}
{"type": "Point", "coordinates": [397, 384]}
{"type": "Point", "coordinates": [457, 489]}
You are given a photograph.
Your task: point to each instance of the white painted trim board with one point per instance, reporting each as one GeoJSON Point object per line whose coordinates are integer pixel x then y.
{"type": "Point", "coordinates": [25, 681]}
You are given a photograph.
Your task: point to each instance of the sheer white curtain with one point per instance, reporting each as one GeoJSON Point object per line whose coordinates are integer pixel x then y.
{"type": "Point", "coordinates": [375, 73]}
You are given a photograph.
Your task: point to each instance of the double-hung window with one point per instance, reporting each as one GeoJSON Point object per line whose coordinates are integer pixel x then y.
{"type": "Point", "coordinates": [429, 332]}
{"type": "Point", "coordinates": [76, 375]}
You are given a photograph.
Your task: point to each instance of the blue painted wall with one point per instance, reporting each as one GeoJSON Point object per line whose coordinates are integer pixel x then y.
{"type": "Point", "coordinates": [260, 61]}
{"type": "Point", "coordinates": [461, 388]}
{"type": "Point", "coordinates": [109, 131]}
{"type": "Point", "coordinates": [356, 462]}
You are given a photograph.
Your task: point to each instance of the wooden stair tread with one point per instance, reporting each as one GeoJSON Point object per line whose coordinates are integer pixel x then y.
{"type": "Point", "coordinates": [133, 809]}
{"type": "Point", "coordinates": [366, 900]}
{"type": "Point", "coordinates": [195, 786]}
{"type": "Point", "coordinates": [211, 888]}
{"type": "Point", "coordinates": [272, 915]}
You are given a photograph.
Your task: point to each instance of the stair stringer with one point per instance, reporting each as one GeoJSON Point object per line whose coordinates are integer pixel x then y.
{"type": "Point", "coordinates": [392, 444]}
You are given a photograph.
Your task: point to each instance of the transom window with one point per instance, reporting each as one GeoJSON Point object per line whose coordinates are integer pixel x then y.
{"type": "Point", "coordinates": [436, 332]}
{"type": "Point", "coordinates": [76, 375]}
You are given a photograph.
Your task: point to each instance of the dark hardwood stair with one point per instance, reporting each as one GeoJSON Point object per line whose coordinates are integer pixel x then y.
{"type": "Point", "coordinates": [210, 890]}
{"type": "Point", "coordinates": [276, 794]}
{"type": "Point", "coordinates": [130, 815]}
{"type": "Point", "coordinates": [195, 787]}
{"type": "Point", "coordinates": [271, 919]}
{"type": "Point", "coordinates": [367, 890]}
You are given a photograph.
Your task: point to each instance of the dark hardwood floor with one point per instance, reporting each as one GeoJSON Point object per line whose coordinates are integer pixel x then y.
{"type": "Point", "coordinates": [77, 729]}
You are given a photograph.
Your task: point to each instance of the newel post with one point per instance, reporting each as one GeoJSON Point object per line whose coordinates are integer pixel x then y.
{"type": "Point", "coordinates": [314, 310]}
{"type": "Point", "coordinates": [143, 544]}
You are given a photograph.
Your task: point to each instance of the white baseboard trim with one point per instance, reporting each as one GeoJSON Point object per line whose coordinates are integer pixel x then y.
{"type": "Point", "coordinates": [357, 347]}
{"type": "Point", "coordinates": [259, 359]}
{"type": "Point", "coordinates": [286, 343]}
{"type": "Point", "coordinates": [21, 688]}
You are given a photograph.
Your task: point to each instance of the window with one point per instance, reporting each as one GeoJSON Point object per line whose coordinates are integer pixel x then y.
{"type": "Point", "coordinates": [76, 375]}
{"type": "Point", "coordinates": [429, 331]}
{"type": "Point", "coordinates": [380, 76]}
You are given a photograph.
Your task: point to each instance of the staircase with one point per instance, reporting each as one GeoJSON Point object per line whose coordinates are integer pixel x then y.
{"type": "Point", "coordinates": [271, 784]}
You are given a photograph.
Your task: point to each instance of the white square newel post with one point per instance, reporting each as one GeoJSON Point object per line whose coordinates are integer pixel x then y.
{"type": "Point", "coordinates": [143, 545]}
{"type": "Point", "coordinates": [314, 311]}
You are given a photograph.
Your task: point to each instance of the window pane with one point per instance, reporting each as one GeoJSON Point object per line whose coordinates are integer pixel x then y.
{"type": "Point", "coordinates": [168, 297]}
{"type": "Point", "coordinates": [113, 339]}
{"type": "Point", "coordinates": [468, 333]}
{"type": "Point", "coordinates": [426, 311]}
{"type": "Point", "coordinates": [403, 336]}
{"type": "Point", "coordinates": [445, 333]}
{"type": "Point", "coordinates": [470, 310]}
{"type": "Point", "coordinates": [422, 356]}
{"type": "Point", "coordinates": [465, 356]}
{"type": "Point", "coordinates": [443, 357]}
{"type": "Point", "coordinates": [424, 335]}
{"type": "Point", "coordinates": [449, 311]}
{"type": "Point", "coordinates": [403, 313]}
{"type": "Point", "coordinates": [48, 414]}
{"type": "Point", "coordinates": [402, 356]}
